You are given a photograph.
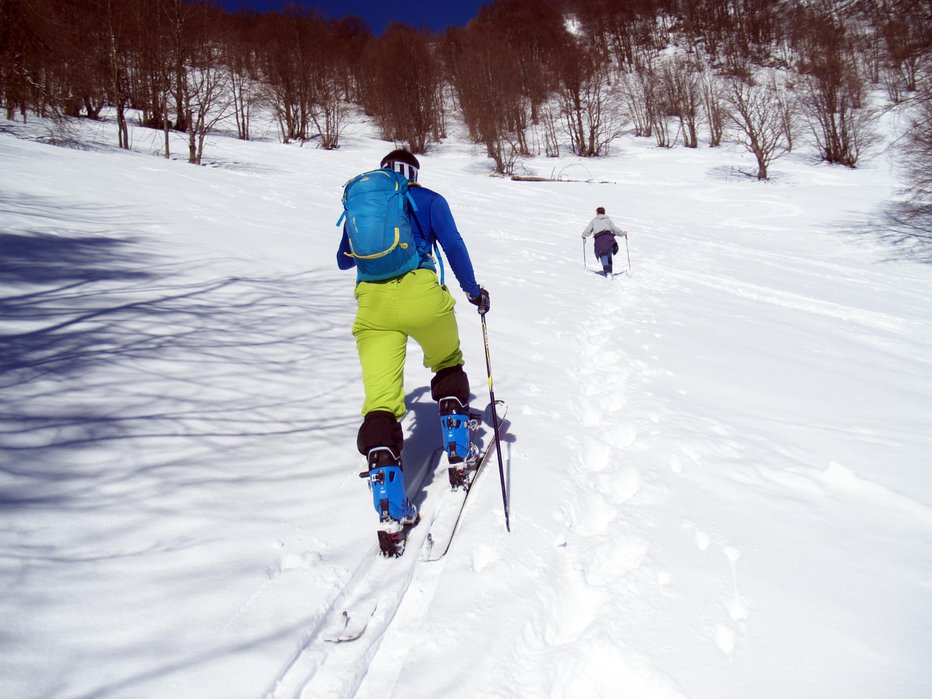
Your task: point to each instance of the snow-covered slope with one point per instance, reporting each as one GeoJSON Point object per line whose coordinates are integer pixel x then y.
{"type": "Point", "coordinates": [717, 464]}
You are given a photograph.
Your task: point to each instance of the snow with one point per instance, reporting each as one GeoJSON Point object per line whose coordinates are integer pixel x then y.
{"type": "Point", "coordinates": [718, 464]}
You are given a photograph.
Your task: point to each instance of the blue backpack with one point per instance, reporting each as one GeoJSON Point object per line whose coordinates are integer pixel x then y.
{"type": "Point", "coordinates": [376, 208]}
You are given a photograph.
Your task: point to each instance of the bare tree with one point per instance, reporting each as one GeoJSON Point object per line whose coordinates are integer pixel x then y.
{"type": "Point", "coordinates": [757, 120]}
{"type": "Point", "coordinates": [625, 30]}
{"type": "Point", "coordinates": [283, 69]}
{"type": "Point", "coordinates": [501, 67]}
{"type": "Point", "coordinates": [662, 104]}
{"type": "Point", "coordinates": [639, 92]}
{"type": "Point", "coordinates": [150, 75]}
{"type": "Point", "coordinates": [485, 76]}
{"type": "Point", "coordinates": [19, 38]}
{"type": "Point", "coordinates": [207, 93]}
{"type": "Point", "coordinates": [336, 60]}
{"type": "Point", "coordinates": [529, 38]}
{"type": "Point", "coordinates": [179, 40]}
{"type": "Point", "coordinates": [208, 99]}
{"type": "Point", "coordinates": [833, 92]}
{"type": "Point", "coordinates": [77, 74]}
{"type": "Point", "coordinates": [242, 65]}
{"type": "Point", "coordinates": [590, 107]}
{"type": "Point", "coordinates": [403, 86]}
{"type": "Point", "coordinates": [550, 121]}
{"type": "Point", "coordinates": [662, 124]}
{"type": "Point", "coordinates": [788, 104]}
{"type": "Point", "coordinates": [116, 50]}
{"type": "Point", "coordinates": [681, 86]}
{"type": "Point", "coordinates": [329, 106]}
{"type": "Point", "coordinates": [841, 128]}
{"type": "Point", "coordinates": [714, 108]}
{"type": "Point", "coordinates": [906, 28]}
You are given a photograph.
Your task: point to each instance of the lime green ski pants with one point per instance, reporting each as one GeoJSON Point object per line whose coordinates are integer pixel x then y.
{"type": "Point", "coordinates": [389, 312]}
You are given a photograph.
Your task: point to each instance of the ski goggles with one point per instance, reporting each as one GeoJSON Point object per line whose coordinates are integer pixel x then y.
{"type": "Point", "coordinates": [406, 170]}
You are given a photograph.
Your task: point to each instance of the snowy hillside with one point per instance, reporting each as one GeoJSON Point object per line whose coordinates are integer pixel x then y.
{"type": "Point", "coordinates": [718, 465]}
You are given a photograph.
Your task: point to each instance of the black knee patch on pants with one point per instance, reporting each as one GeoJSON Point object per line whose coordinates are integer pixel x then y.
{"type": "Point", "coordinates": [380, 428]}
{"type": "Point", "coordinates": [451, 381]}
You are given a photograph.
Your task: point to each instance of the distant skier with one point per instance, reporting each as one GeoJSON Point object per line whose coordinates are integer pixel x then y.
{"type": "Point", "coordinates": [401, 301]}
{"type": "Point", "coordinates": [604, 241]}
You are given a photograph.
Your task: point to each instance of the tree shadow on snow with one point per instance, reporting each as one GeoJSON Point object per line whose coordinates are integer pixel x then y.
{"type": "Point", "coordinates": [113, 365]}
{"type": "Point", "coordinates": [134, 390]}
{"type": "Point", "coordinates": [905, 233]}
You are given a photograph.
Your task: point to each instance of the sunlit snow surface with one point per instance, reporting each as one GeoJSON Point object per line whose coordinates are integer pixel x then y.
{"type": "Point", "coordinates": [719, 465]}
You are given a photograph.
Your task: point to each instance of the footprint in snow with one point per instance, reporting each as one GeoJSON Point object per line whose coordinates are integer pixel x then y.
{"type": "Point", "coordinates": [288, 560]}
{"type": "Point", "coordinates": [702, 540]}
{"type": "Point", "coordinates": [483, 556]}
{"type": "Point", "coordinates": [676, 465]}
{"type": "Point", "coordinates": [608, 562]}
{"type": "Point", "coordinates": [724, 637]}
{"type": "Point", "coordinates": [596, 456]}
{"type": "Point", "coordinates": [623, 435]}
{"type": "Point", "coordinates": [621, 485]}
{"type": "Point", "coordinates": [737, 610]}
{"type": "Point", "coordinates": [591, 515]}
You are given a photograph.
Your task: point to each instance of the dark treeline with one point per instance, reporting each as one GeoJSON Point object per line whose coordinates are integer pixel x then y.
{"type": "Point", "coordinates": [526, 77]}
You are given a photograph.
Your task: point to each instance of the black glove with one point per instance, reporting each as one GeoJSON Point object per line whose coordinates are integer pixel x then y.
{"type": "Point", "coordinates": [481, 301]}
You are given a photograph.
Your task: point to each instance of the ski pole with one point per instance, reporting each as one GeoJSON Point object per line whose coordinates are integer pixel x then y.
{"type": "Point", "coordinates": [585, 264]}
{"type": "Point", "coordinates": [628, 253]}
{"type": "Point", "coordinates": [498, 443]}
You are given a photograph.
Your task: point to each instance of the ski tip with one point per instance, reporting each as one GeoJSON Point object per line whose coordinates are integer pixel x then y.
{"type": "Point", "coordinates": [350, 627]}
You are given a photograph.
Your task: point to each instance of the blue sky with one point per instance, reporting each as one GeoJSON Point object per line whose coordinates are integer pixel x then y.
{"type": "Point", "coordinates": [436, 15]}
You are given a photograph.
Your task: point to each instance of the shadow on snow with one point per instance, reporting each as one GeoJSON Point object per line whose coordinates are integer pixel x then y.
{"type": "Point", "coordinates": [100, 345]}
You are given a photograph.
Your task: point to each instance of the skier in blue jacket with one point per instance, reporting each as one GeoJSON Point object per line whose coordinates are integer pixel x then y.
{"type": "Point", "coordinates": [412, 304]}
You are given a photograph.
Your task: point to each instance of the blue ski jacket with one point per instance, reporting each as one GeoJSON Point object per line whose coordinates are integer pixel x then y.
{"type": "Point", "coordinates": [431, 223]}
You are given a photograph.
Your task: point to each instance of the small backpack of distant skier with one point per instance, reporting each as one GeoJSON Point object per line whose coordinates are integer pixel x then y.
{"type": "Point", "coordinates": [376, 208]}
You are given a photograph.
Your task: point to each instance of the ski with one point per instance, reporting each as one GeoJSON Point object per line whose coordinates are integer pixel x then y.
{"type": "Point", "coordinates": [368, 598]}
{"type": "Point", "coordinates": [449, 514]}
{"type": "Point", "coordinates": [366, 593]}
{"type": "Point", "coordinates": [376, 589]}
{"type": "Point", "coordinates": [349, 628]}
{"type": "Point", "coordinates": [357, 621]}
{"type": "Point", "coordinates": [352, 632]}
